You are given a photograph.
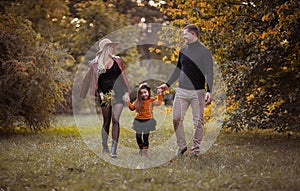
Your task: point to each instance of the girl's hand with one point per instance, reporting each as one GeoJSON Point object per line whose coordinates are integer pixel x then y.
{"type": "Point", "coordinates": [159, 91]}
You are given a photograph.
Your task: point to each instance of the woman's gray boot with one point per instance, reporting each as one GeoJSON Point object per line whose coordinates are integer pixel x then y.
{"type": "Point", "coordinates": [114, 146]}
{"type": "Point", "coordinates": [105, 148]}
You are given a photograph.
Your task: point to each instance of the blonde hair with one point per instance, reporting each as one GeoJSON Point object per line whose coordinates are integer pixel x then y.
{"type": "Point", "coordinates": [101, 59]}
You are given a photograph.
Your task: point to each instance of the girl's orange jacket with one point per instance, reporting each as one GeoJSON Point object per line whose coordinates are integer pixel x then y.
{"type": "Point", "coordinates": [146, 111]}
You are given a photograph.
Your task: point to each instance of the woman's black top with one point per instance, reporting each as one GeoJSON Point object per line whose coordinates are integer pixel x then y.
{"type": "Point", "coordinates": [112, 80]}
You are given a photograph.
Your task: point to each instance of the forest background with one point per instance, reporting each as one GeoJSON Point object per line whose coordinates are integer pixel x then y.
{"type": "Point", "coordinates": [255, 44]}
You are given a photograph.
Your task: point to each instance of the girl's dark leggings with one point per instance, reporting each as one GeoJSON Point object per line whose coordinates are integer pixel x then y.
{"type": "Point", "coordinates": [142, 139]}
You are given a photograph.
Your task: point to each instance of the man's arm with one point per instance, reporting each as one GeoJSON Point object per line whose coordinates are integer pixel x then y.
{"type": "Point", "coordinates": [209, 74]}
{"type": "Point", "coordinates": [173, 77]}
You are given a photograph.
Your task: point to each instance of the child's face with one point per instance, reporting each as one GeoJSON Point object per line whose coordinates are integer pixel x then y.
{"type": "Point", "coordinates": [144, 93]}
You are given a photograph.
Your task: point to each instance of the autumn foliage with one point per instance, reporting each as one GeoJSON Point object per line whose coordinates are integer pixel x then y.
{"type": "Point", "coordinates": [256, 44]}
{"type": "Point", "coordinates": [32, 82]}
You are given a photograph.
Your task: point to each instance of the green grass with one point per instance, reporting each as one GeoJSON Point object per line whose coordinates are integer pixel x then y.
{"type": "Point", "coordinates": [59, 159]}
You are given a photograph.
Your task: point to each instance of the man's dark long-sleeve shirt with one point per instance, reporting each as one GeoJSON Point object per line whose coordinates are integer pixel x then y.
{"type": "Point", "coordinates": [194, 64]}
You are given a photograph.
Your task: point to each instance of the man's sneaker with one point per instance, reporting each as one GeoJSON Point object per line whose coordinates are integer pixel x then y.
{"type": "Point", "coordinates": [180, 151]}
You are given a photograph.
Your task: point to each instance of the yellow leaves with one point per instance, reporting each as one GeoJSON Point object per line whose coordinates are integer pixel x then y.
{"type": "Point", "coordinates": [160, 43]}
{"type": "Point", "coordinates": [206, 25]}
{"type": "Point", "coordinates": [232, 106]}
{"type": "Point", "coordinates": [263, 35]}
{"type": "Point", "coordinates": [156, 50]}
{"type": "Point", "coordinates": [251, 36]}
{"type": "Point", "coordinates": [259, 89]}
{"type": "Point", "coordinates": [165, 58]}
{"type": "Point", "coordinates": [262, 80]}
{"type": "Point", "coordinates": [272, 106]}
{"type": "Point", "coordinates": [265, 18]}
{"type": "Point", "coordinates": [250, 97]}
{"type": "Point", "coordinates": [284, 43]}
{"type": "Point", "coordinates": [268, 17]}
{"type": "Point", "coordinates": [270, 31]}
{"type": "Point", "coordinates": [151, 49]}
{"type": "Point", "coordinates": [168, 110]}
{"type": "Point", "coordinates": [262, 46]}
{"type": "Point", "coordinates": [204, 5]}
{"type": "Point", "coordinates": [166, 92]}
{"type": "Point", "coordinates": [169, 60]}
{"type": "Point", "coordinates": [207, 113]}
{"type": "Point", "coordinates": [284, 68]}
{"type": "Point", "coordinates": [173, 58]}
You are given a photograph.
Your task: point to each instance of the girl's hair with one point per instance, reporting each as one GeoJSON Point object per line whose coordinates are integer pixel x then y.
{"type": "Point", "coordinates": [138, 101]}
{"type": "Point", "coordinates": [101, 58]}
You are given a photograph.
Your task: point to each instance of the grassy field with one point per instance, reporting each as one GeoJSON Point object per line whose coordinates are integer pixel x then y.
{"type": "Point", "coordinates": [59, 159]}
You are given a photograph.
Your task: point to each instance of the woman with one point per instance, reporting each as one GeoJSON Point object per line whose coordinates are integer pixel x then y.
{"type": "Point", "coordinates": [106, 74]}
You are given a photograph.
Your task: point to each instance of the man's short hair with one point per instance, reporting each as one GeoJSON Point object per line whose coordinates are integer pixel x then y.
{"type": "Point", "coordinates": [192, 28]}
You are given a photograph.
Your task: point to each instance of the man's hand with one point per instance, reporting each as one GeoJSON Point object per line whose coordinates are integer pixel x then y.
{"type": "Point", "coordinates": [162, 88]}
{"type": "Point", "coordinates": [208, 98]}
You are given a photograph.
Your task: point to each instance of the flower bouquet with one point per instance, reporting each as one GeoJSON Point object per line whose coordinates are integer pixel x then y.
{"type": "Point", "coordinates": [107, 98]}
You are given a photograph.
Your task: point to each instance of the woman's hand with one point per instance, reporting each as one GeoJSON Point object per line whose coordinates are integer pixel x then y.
{"type": "Point", "coordinates": [101, 95]}
{"type": "Point", "coordinates": [208, 98]}
{"type": "Point", "coordinates": [126, 97]}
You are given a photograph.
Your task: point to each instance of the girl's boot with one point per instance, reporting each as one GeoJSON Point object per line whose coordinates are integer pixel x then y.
{"type": "Point", "coordinates": [105, 148]}
{"type": "Point", "coordinates": [145, 151]}
{"type": "Point", "coordinates": [141, 149]}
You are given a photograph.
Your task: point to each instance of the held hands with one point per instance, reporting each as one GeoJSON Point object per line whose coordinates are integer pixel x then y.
{"type": "Point", "coordinates": [159, 91]}
{"type": "Point", "coordinates": [126, 97]}
{"type": "Point", "coordinates": [162, 88]}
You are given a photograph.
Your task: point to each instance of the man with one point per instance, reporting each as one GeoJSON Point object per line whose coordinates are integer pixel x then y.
{"type": "Point", "coordinates": [194, 69]}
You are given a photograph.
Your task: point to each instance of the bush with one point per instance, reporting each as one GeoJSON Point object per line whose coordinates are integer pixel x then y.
{"type": "Point", "coordinates": [32, 81]}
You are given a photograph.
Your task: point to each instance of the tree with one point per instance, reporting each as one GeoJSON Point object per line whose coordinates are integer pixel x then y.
{"type": "Point", "coordinates": [32, 81]}
{"type": "Point", "coordinates": [51, 19]}
{"type": "Point", "coordinates": [94, 20]}
{"type": "Point", "coordinates": [72, 33]}
{"type": "Point", "coordinates": [256, 44]}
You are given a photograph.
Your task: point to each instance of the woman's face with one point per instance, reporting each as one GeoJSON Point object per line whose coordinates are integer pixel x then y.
{"type": "Point", "coordinates": [111, 48]}
{"type": "Point", "coordinates": [144, 93]}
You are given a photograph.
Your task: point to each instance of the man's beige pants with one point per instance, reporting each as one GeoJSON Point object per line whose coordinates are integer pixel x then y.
{"type": "Point", "coordinates": [183, 99]}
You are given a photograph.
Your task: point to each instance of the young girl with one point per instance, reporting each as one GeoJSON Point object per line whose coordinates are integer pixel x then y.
{"type": "Point", "coordinates": [144, 122]}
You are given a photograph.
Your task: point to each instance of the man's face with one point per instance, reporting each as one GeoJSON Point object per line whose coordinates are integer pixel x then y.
{"type": "Point", "coordinates": [188, 36]}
